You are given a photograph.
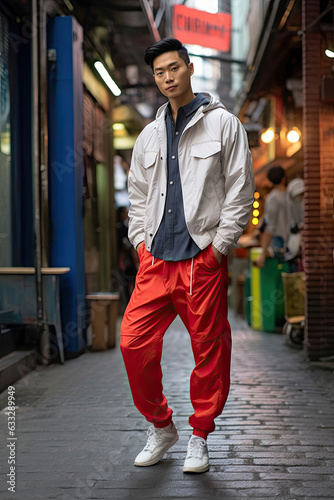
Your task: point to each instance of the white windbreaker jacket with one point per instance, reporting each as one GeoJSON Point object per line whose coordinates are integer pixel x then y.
{"type": "Point", "coordinates": [216, 176]}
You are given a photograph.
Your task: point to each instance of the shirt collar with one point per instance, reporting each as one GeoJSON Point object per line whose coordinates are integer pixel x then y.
{"type": "Point", "coordinates": [193, 105]}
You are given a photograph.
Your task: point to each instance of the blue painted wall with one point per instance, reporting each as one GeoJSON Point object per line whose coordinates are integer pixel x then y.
{"type": "Point", "coordinates": [65, 108]}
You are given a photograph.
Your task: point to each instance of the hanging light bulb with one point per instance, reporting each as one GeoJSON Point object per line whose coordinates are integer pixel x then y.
{"type": "Point", "coordinates": [268, 135]}
{"type": "Point", "coordinates": [329, 53]}
{"type": "Point", "coordinates": [294, 135]}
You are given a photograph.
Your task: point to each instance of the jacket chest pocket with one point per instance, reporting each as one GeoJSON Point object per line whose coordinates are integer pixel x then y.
{"type": "Point", "coordinates": [206, 158]}
{"type": "Point", "coordinates": [150, 159]}
{"type": "Point", "coordinates": [205, 150]}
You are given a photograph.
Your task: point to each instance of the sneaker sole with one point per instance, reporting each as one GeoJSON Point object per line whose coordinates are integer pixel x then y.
{"type": "Point", "coordinates": [159, 457]}
{"type": "Point", "coordinates": [197, 470]}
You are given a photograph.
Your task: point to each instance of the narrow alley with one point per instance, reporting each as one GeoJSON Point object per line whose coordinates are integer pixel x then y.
{"type": "Point", "coordinates": [78, 431]}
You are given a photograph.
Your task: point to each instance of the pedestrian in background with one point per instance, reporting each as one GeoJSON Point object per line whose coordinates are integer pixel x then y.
{"type": "Point", "coordinates": [191, 190]}
{"type": "Point", "coordinates": [276, 229]}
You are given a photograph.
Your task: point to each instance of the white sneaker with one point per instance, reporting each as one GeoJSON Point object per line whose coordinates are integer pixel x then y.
{"type": "Point", "coordinates": [158, 442]}
{"type": "Point", "coordinates": [197, 459]}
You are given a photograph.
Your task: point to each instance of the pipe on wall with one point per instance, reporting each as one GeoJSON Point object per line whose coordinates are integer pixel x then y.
{"type": "Point", "coordinates": [36, 162]}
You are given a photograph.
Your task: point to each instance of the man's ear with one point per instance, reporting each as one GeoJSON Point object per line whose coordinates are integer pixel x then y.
{"type": "Point", "coordinates": [191, 68]}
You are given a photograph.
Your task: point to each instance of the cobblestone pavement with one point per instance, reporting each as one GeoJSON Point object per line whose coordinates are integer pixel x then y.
{"type": "Point", "coordinates": [78, 431]}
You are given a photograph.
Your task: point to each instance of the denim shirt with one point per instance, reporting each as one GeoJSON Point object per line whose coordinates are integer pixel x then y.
{"type": "Point", "coordinates": [172, 240]}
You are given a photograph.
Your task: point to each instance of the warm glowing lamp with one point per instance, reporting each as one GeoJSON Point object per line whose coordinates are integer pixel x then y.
{"type": "Point", "coordinates": [294, 135]}
{"type": "Point", "coordinates": [256, 195]}
{"type": "Point", "coordinates": [268, 135]}
{"type": "Point", "coordinates": [118, 126]}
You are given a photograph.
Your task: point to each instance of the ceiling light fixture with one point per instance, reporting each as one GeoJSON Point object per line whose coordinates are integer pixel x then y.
{"type": "Point", "coordinates": [118, 126]}
{"type": "Point", "coordinates": [107, 78]}
{"type": "Point", "coordinates": [69, 5]}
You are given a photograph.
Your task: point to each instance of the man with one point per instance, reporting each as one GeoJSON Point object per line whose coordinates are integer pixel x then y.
{"type": "Point", "coordinates": [191, 189]}
{"type": "Point", "coordinates": [274, 237]}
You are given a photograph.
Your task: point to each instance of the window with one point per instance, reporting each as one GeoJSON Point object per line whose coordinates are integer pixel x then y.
{"type": "Point", "coordinates": [5, 149]}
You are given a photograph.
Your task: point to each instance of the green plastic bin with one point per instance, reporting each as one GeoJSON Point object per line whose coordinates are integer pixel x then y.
{"type": "Point", "coordinates": [266, 297]}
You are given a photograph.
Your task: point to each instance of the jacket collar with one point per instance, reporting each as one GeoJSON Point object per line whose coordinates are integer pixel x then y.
{"type": "Point", "coordinates": [213, 104]}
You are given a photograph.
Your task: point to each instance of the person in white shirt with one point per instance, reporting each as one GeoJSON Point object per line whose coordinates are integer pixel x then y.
{"type": "Point", "coordinates": [275, 234]}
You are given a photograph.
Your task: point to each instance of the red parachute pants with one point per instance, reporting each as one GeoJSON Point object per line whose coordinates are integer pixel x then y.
{"type": "Point", "coordinates": [196, 289]}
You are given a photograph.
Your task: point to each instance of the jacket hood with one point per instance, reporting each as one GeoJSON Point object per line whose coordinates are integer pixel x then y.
{"type": "Point", "coordinates": [213, 104]}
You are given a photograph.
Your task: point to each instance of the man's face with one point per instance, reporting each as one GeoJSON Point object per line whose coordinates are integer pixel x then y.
{"type": "Point", "coordinates": [172, 75]}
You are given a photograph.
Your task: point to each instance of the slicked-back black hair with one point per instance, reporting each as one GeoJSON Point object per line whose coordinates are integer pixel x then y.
{"type": "Point", "coordinates": [276, 174]}
{"type": "Point", "coordinates": [166, 45]}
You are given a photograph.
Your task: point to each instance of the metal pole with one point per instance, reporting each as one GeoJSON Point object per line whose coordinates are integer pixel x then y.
{"type": "Point", "coordinates": [150, 19]}
{"type": "Point", "coordinates": [168, 19]}
{"type": "Point", "coordinates": [43, 132]}
{"type": "Point", "coordinates": [41, 323]}
{"type": "Point", "coordinates": [225, 59]}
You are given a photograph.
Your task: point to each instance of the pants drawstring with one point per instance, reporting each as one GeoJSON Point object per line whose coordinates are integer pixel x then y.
{"type": "Point", "coordinates": [191, 276]}
{"type": "Point", "coordinates": [152, 260]}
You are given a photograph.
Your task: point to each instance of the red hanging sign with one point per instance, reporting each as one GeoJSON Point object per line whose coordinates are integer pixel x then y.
{"type": "Point", "coordinates": [202, 28]}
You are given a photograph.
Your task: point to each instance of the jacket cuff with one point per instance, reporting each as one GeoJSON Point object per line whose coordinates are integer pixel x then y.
{"type": "Point", "coordinates": [223, 248]}
{"type": "Point", "coordinates": [138, 239]}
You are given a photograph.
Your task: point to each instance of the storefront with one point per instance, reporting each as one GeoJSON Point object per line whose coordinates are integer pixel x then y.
{"type": "Point", "coordinates": [16, 202]}
{"type": "Point", "coordinates": [56, 170]}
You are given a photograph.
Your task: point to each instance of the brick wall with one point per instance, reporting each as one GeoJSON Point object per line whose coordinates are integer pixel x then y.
{"type": "Point", "coordinates": [318, 133]}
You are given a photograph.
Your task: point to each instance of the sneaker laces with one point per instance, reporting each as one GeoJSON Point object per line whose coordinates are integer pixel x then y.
{"type": "Point", "coordinates": [196, 448]}
{"type": "Point", "coordinates": [154, 438]}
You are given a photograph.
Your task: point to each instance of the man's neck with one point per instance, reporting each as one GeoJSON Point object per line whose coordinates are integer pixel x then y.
{"type": "Point", "coordinates": [177, 103]}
